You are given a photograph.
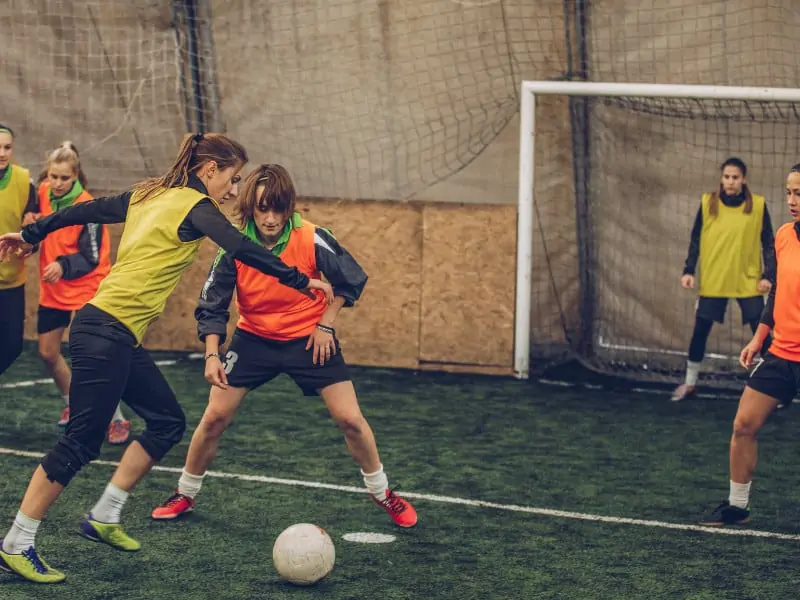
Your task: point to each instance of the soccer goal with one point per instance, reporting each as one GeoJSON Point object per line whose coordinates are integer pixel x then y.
{"type": "Point", "coordinates": [606, 208]}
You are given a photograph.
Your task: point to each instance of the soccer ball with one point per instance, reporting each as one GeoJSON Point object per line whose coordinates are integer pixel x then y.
{"type": "Point", "coordinates": [303, 554]}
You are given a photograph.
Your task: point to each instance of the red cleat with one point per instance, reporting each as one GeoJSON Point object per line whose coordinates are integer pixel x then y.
{"type": "Point", "coordinates": [175, 506]}
{"type": "Point", "coordinates": [399, 509]}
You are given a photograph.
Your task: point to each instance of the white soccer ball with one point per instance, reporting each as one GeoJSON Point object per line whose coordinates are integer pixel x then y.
{"type": "Point", "coordinates": [303, 554]}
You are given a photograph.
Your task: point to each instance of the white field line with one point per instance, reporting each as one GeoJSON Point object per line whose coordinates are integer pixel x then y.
{"type": "Point", "coordinates": [546, 512]}
{"type": "Point", "coordinates": [32, 382]}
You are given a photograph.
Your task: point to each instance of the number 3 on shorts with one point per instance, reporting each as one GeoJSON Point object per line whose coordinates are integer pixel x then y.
{"type": "Point", "coordinates": [230, 360]}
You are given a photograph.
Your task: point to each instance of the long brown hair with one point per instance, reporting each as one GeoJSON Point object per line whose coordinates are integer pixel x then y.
{"type": "Point", "coordinates": [279, 193]}
{"type": "Point", "coordinates": [65, 153]}
{"type": "Point", "coordinates": [713, 203]}
{"type": "Point", "coordinates": [195, 151]}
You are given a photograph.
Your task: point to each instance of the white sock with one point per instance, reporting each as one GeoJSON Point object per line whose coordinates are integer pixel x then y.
{"type": "Point", "coordinates": [22, 534]}
{"type": "Point", "coordinates": [692, 372]}
{"type": "Point", "coordinates": [66, 400]}
{"type": "Point", "coordinates": [118, 414]}
{"type": "Point", "coordinates": [189, 485]}
{"type": "Point", "coordinates": [109, 508]}
{"type": "Point", "coordinates": [377, 483]}
{"type": "Point", "coordinates": [740, 494]}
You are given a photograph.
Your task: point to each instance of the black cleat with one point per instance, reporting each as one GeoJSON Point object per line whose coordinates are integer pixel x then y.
{"type": "Point", "coordinates": [726, 514]}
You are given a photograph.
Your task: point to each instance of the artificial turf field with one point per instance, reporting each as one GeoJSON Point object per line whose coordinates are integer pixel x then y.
{"type": "Point", "coordinates": [531, 449]}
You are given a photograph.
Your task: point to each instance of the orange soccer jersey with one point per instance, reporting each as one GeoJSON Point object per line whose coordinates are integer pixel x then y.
{"type": "Point", "coordinates": [69, 294]}
{"type": "Point", "coordinates": [786, 300]}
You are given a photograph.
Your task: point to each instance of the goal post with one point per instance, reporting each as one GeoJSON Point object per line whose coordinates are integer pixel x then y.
{"type": "Point", "coordinates": [767, 109]}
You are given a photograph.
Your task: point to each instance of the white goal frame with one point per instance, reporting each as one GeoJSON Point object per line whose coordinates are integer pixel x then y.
{"type": "Point", "coordinates": [530, 90]}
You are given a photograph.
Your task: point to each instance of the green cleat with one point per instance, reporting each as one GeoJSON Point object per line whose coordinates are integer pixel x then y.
{"type": "Point", "coordinates": [29, 565]}
{"type": "Point", "coordinates": [108, 533]}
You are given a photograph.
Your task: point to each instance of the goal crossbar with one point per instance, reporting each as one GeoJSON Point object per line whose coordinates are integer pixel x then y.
{"type": "Point", "coordinates": [529, 91]}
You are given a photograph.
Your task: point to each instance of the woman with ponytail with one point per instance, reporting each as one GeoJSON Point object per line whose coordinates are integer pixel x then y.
{"type": "Point", "coordinates": [166, 220]}
{"type": "Point", "coordinates": [17, 206]}
{"type": "Point", "coordinates": [72, 263]}
{"type": "Point", "coordinates": [733, 245]}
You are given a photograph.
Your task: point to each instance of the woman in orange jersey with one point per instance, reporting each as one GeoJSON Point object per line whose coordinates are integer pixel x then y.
{"type": "Point", "coordinates": [166, 221]}
{"type": "Point", "coordinates": [72, 263]}
{"type": "Point", "coordinates": [279, 331]}
{"type": "Point", "coordinates": [17, 206]}
{"type": "Point", "coordinates": [775, 380]}
{"type": "Point", "coordinates": [732, 243]}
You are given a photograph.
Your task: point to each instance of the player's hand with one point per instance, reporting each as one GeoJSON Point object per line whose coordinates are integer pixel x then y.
{"type": "Point", "coordinates": [323, 345]}
{"type": "Point", "coordinates": [748, 353]}
{"type": "Point", "coordinates": [11, 245]}
{"type": "Point", "coordinates": [323, 286]}
{"type": "Point", "coordinates": [53, 272]}
{"type": "Point", "coordinates": [687, 282]}
{"type": "Point", "coordinates": [30, 218]}
{"type": "Point", "coordinates": [215, 373]}
{"type": "Point", "coordinates": [764, 286]}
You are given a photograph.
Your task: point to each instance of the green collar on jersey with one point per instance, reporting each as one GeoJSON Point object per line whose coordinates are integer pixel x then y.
{"type": "Point", "coordinates": [67, 199]}
{"type": "Point", "coordinates": [5, 178]}
{"type": "Point", "coordinates": [295, 221]}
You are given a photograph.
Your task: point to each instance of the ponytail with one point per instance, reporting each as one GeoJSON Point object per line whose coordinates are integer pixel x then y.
{"type": "Point", "coordinates": [67, 152]}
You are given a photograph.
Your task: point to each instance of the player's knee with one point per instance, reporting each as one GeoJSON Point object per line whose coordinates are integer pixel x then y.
{"type": "Point", "coordinates": [49, 353]}
{"type": "Point", "coordinates": [162, 434]}
{"type": "Point", "coordinates": [214, 423]}
{"type": "Point", "coordinates": [745, 426]}
{"type": "Point", "coordinates": [68, 457]}
{"type": "Point", "coordinates": [352, 425]}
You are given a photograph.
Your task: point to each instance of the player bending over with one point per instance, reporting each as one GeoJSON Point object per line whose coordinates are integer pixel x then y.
{"type": "Point", "coordinates": [730, 233]}
{"type": "Point", "coordinates": [17, 205]}
{"type": "Point", "coordinates": [72, 263]}
{"type": "Point", "coordinates": [166, 220]}
{"type": "Point", "coordinates": [279, 331]}
{"type": "Point", "coordinates": [775, 380]}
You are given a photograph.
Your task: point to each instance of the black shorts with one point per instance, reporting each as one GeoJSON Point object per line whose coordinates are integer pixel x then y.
{"type": "Point", "coordinates": [776, 377]}
{"type": "Point", "coordinates": [251, 361]}
{"type": "Point", "coordinates": [50, 319]}
{"type": "Point", "coordinates": [714, 309]}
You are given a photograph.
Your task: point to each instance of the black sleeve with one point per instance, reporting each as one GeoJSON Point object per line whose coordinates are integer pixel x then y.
{"type": "Point", "coordinates": [768, 316]}
{"type": "Point", "coordinates": [694, 244]}
{"type": "Point", "coordinates": [213, 307]}
{"type": "Point", "coordinates": [768, 248]}
{"type": "Point", "coordinates": [86, 259]}
{"type": "Point", "coordinates": [101, 210]}
{"type": "Point", "coordinates": [33, 200]}
{"type": "Point", "coordinates": [339, 267]}
{"type": "Point", "coordinates": [206, 218]}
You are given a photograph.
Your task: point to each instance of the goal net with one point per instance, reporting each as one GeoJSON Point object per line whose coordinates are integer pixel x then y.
{"type": "Point", "coordinates": [642, 157]}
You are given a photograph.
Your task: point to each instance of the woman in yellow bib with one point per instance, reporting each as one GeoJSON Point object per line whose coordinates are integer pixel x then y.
{"type": "Point", "coordinates": [733, 244]}
{"type": "Point", "coordinates": [18, 202]}
{"type": "Point", "coordinates": [166, 220]}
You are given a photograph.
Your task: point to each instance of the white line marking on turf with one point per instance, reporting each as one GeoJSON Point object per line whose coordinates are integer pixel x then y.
{"type": "Point", "coordinates": [31, 382]}
{"type": "Point", "coordinates": [547, 512]}
{"type": "Point", "coordinates": [363, 537]}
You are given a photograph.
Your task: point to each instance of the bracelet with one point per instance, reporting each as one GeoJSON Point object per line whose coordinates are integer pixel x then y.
{"type": "Point", "coordinates": [326, 329]}
{"type": "Point", "coordinates": [212, 354]}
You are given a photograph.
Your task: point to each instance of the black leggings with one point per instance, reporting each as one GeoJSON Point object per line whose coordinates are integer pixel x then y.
{"type": "Point", "coordinates": [12, 325]}
{"type": "Point", "coordinates": [702, 329]}
{"type": "Point", "coordinates": [103, 371]}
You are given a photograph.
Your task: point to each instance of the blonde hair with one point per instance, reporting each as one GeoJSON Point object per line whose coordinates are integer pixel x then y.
{"type": "Point", "coordinates": [195, 151]}
{"type": "Point", "coordinates": [65, 153]}
{"type": "Point", "coordinates": [278, 195]}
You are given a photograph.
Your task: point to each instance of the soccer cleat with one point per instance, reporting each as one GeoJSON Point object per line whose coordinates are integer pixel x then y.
{"type": "Point", "coordinates": [399, 509]}
{"type": "Point", "coordinates": [726, 514]}
{"type": "Point", "coordinates": [29, 565]}
{"type": "Point", "coordinates": [64, 418]}
{"type": "Point", "coordinates": [108, 533]}
{"type": "Point", "coordinates": [682, 392]}
{"type": "Point", "coordinates": [119, 431]}
{"type": "Point", "coordinates": [176, 505]}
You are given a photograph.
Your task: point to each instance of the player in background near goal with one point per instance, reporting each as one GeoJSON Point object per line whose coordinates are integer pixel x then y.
{"type": "Point", "coordinates": [775, 380]}
{"type": "Point", "coordinates": [731, 232]}
{"type": "Point", "coordinates": [17, 205]}
{"type": "Point", "coordinates": [166, 220]}
{"type": "Point", "coordinates": [279, 331]}
{"type": "Point", "coordinates": [72, 263]}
